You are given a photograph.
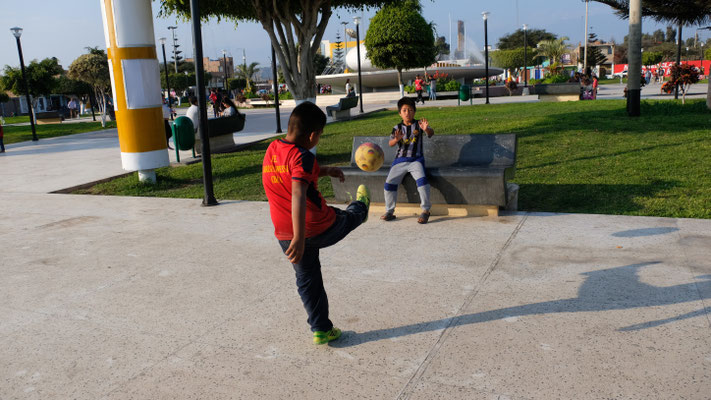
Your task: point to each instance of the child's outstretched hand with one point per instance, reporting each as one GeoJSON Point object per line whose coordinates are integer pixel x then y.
{"type": "Point", "coordinates": [424, 124]}
{"type": "Point", "coordinates": [399, 135]}
{"type": "Point", "coordinates": [336, 172]}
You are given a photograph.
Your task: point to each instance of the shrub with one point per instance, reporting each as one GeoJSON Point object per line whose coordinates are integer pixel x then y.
{"type": "Point", "coordinates": [556, 79]}
{"type": "Point", "coordinates": [451, 86]}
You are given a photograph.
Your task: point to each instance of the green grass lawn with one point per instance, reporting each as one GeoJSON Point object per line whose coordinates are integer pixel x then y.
{"type": "Point", "coordinates": [15, 134]}
{"type": "Point", "coordinates": [16, 120]}
{"type": "Point", "coordinates": [581, 157]}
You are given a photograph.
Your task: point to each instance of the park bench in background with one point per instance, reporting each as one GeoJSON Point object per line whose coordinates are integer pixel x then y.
{"type": "Point", "coordinates": [48, 117]}
{"type": "Point", "coordinates": [220, 131]}
{"type": "Point", "coordinates": [468, 175]}
{"type": "Point", "coordinates": [342, 110]}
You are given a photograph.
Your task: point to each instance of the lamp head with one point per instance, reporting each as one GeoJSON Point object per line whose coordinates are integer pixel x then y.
{"type": "Point", "coordinates": [16, 31]}
{"type": "Point", "coordinates": [525, 27]}
{"type": "Point", "coordinates": [162, 41]}
{"type": "Point", "coordinates": [356, 20]}
{"type": "Point", "coordinates": [485, 15]}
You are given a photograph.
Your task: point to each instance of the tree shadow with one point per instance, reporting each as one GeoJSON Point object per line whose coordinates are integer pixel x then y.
{"type": "Point", "coordinates": [589, 198]}
{"type": "Point", "coordinates": [604, 290]}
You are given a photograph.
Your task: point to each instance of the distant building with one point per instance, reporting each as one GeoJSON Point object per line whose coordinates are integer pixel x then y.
{"type": "Point", "coordinates": [576, 56]}
{"type": "Point", "coordinates": [217, 70]}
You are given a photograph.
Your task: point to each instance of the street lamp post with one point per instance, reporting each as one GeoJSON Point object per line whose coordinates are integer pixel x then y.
{"type": "Point", "coordinates": [175, 48]}
{"type": "Point", "coordinates": [485, 15]}
{"type": "Point", "coordinates": [525, 59]}
{"type": "Point", "coordinates": [17, 32]}
{"type": "Point", "coordinates": [165, 68]}
{"type": "Point", "coordinates": [356, 20]}
{"type": "Point", "coordinates": [209, 195]}
{"type": "Point", "coordinates": [276, 91]}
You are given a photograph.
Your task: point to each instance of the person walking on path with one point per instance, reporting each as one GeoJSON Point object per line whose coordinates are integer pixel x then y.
{"type": "Point", "coordinates": [72, 108]}
{"type": "Point", "coordinates": [303, 222]}
{"type": "Point", "coordinates": [418, 89]}
{"type": "Point", "coordinates": [348, 87]}
{"type": "Point", "coordinates": [433, 89]}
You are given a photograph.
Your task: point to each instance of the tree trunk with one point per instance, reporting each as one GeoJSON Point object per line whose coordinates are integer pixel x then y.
{"type": "Point", "coordinates": [295, 41]}
{"type": "Point", "coordinates": [708, 92]}
{"type": "Point", "coordinates": [399, 82]}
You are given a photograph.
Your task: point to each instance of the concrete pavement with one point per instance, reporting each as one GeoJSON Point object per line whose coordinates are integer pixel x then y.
{"type": "Point", "coordinates": [149, 298]}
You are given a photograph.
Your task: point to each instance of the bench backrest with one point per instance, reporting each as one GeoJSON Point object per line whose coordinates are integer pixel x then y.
{"type": "Point", "coordinates": [225, 125]}
{"type": "Point", "coordinates": [347, 102]}
{"type": "Point", "coordinates": [454, 150]}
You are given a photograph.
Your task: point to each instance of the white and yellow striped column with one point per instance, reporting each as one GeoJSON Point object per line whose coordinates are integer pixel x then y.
{"type": "Point", "coordinates": [135, 80]}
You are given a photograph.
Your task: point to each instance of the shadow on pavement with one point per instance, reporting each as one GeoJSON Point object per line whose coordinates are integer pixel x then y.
{"type": "Point", "coordinates": [605, 290]}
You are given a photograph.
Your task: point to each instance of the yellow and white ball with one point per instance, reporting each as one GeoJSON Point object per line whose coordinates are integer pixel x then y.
{"type": "Point", "coordinates": [369, 157]}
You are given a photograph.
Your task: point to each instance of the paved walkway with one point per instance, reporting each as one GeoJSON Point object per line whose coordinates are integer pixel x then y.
{"type": "Point", "coordinates": [148, 298]}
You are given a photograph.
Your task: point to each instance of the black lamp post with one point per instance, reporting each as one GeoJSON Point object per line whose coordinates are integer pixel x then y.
{"type": "Point", "coordinates": [678, 63]}
{"type": "Point", "coordinates": [485, 15]}
{"type": "Point", "coordinates": [165, 68]}
{"type": "Point", "coordinates": [525, 59]}
{"type": "Point", "coordinates": [356, 20]}
{"type": "Point", "coordinates": [209, 199]}
{"type": "Point", "coordinates": [276, 90]}
{"type": "Point", "coordinates": [17, 32]}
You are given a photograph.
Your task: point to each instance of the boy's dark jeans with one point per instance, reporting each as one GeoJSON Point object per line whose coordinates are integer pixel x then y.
{"type": "Point", "coordinates": [308, 271]}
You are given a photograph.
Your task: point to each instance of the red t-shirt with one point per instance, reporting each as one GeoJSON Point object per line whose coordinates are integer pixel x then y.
{"type": "Point", "coordinates": [418, 84]}
{"type": "Point", "coordinates": [283, 162]}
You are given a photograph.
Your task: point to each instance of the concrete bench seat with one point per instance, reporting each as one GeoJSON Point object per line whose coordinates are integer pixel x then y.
{"type": "Point", "coordinates": [461, 169]}
{"type": "Point", "coordinates": [220, 132]}
{"type": "Point", "coordinates": [342, 110]}
{"type": "Point", "coordinates": [48, 117]}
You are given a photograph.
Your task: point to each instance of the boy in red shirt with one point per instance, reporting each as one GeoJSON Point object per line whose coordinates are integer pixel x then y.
{"type": "Point", "coordinates": [303, 223]}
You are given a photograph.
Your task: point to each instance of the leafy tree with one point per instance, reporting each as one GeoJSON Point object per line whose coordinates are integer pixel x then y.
{"type": "Point", "coordinates": [515, 40]}
{"type": "Point", "coordinates": [442, 47]}
{"type": "Point", "coordinates": [66, 85]}
{"type": "Point", "coordinates": [186, 66]}
{"type": "Point", "coordinates": [400, 38]}
{"type": "Point", "coordinates": [651, 58]}
{"type": "Point", "coordinates": [41, 77]}
{"type": "Point", "coordinates": [658, 36]}
{"type": "Point", "coordinates": [236, 83]}
{"type": "Point", "coordinates": [707, 55]}
{"type": "Point", "coordinates": [320, 62]}
{"type": "Point", "coordinates": [671, 35]}
{"type": "Point", "coordinates": [93, 68]}
{"type": "Point", "coordinates": [338, 51]}
{"type": "Point", "coordinates": [247, 72]}
{"type": "Point", "coordinates": [512, 59]}
{"type": "Point", "coordinates": [683, 75]}
{"type": "Point", "coordinates": [289, 23]}
{"type": "Point", "coordinates": [595, 56]}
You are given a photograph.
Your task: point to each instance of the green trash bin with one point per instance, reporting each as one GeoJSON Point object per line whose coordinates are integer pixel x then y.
{"type": "Point", "coordinates": [183, 135]}
{"type": "Point", "coordinates": [464, 92]}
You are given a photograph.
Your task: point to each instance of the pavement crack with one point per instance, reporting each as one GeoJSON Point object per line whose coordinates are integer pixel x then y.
{"type": "Point", "coordinates": [409, 387]}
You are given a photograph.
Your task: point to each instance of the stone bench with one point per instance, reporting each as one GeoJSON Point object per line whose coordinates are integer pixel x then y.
{"type": "Point", "coordinates": [220, 131]}
{"type": "Point", "coordinates": [468, 175]}
{"type": "Point", "coordinates": [342, 110]}
{"type": "Point", "coordinates": [48, 117]}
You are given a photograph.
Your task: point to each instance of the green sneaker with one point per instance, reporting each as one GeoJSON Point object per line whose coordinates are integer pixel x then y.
{"type": "Point", "coordinates": [321, 337]}
{"type": "Point", "coordinates": [363, 195]}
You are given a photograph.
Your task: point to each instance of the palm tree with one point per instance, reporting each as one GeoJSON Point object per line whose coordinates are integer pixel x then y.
{"type": "Point", "coordinates": [247, 72]}
{"type": "Point", "coordinates": [678, 12]}
{"type": "Point", "coordinates": [553, 49]}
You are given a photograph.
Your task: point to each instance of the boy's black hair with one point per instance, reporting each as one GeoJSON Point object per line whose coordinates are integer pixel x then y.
{"type": "Point", "coordinates": [406, 101]}
{"type": "Point", "coordinates": [193, 100]}
{"type": "Point", "coordinates": [307, 117]}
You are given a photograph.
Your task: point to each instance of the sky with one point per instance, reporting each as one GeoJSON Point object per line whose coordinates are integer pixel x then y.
{"type": "Point", "coordinates": [63, 29]}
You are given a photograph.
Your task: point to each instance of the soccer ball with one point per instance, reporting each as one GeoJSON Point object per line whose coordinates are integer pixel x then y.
{"type": "Point", "coordinates": [369, 157]}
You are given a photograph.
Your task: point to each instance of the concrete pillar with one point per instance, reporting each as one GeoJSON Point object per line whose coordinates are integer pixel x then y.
{"type": "Point", "coordinates": [634, 57]}
{"type": "Point", "coordinates": [135, 82]}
